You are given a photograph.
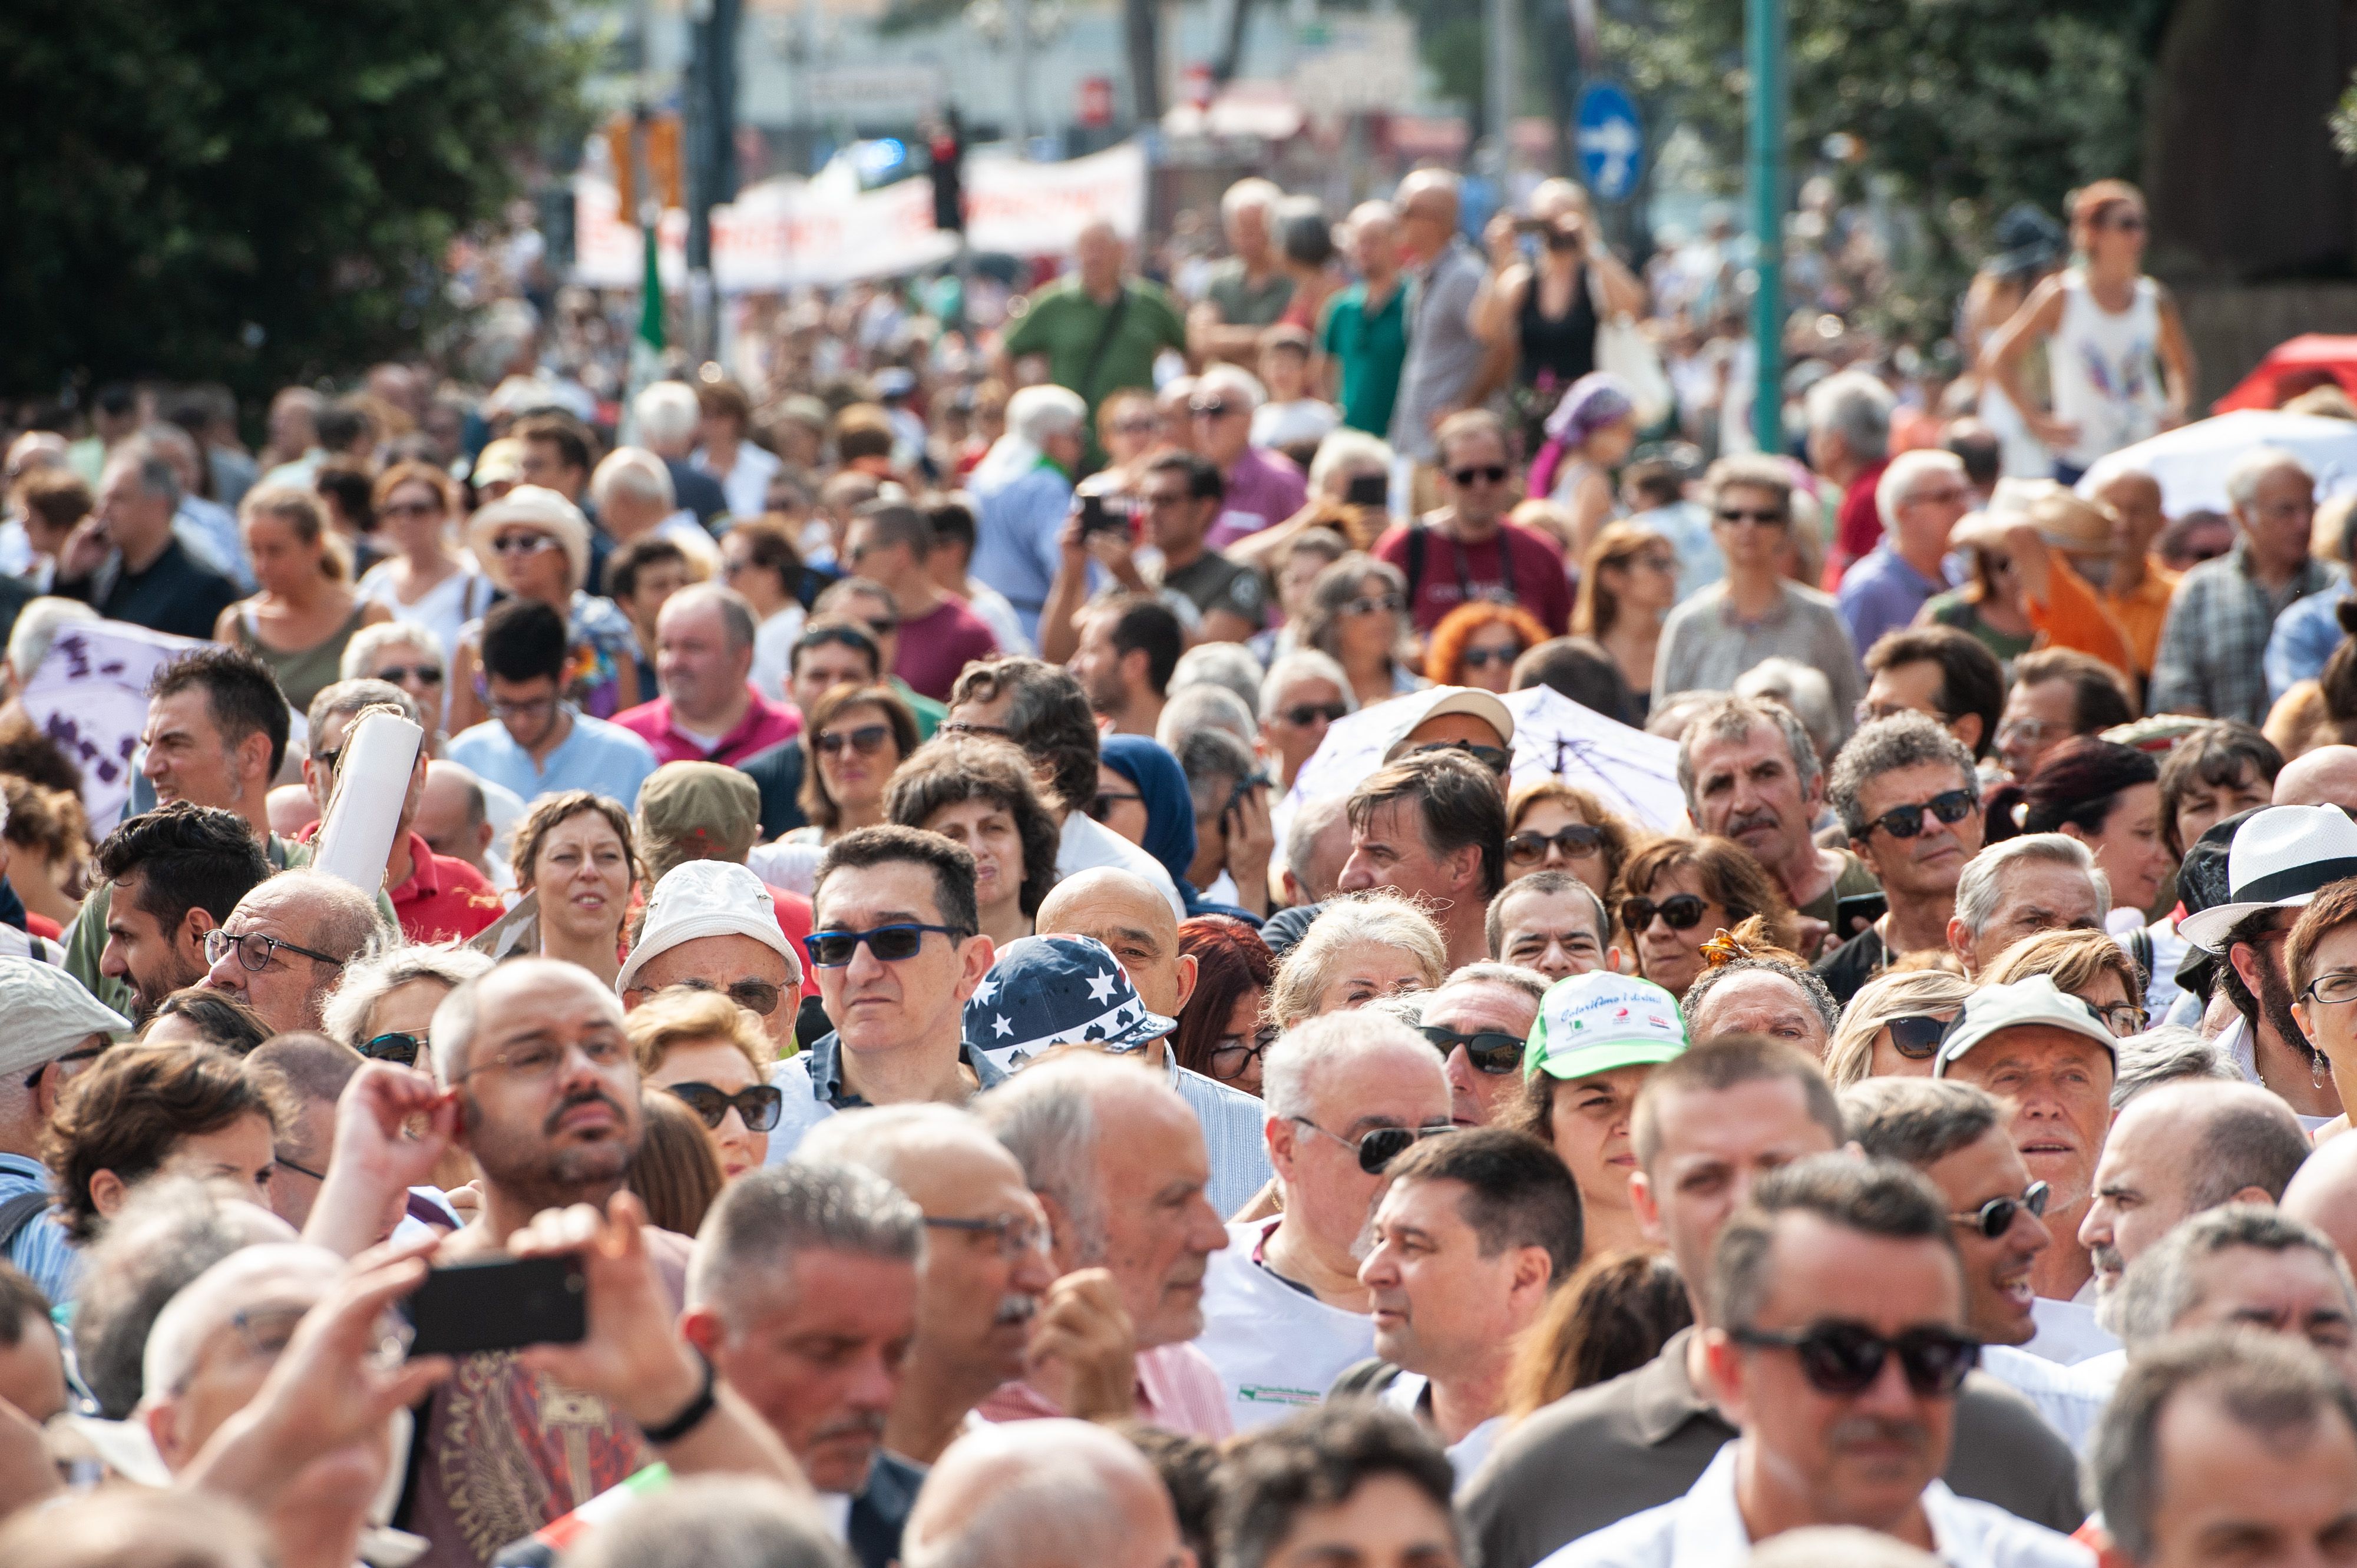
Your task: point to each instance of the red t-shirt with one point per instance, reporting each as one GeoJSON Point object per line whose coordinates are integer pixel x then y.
{"type": "Point", "coordinates": [939, 643]}
{"type": "Point", "coordinates": [1857, 527]}
{"type": "Point", "coordinates": [1536, 581]}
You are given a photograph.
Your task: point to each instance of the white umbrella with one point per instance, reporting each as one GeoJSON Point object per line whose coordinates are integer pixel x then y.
{"type": "Point", "coordinates": [1634, 773]}
{"type": "Point", "coordinates": [2191, 462]}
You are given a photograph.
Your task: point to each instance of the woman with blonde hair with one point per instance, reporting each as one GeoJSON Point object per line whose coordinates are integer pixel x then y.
{"type": "Point", "coordinates": [1679, 893]}
{"type": "Point", "coordinates": [576, 850]}
{"type": "Point", "coordinates": [714, 1056]}
{"type": "Point", "coordinates": [1554, 826]}
{"type": "Point", "coordinates": [1364, 946]}
{"type": "Point", "coordinates": [2090, 965]}
{"type": "Point", "coordinates": [305, 611]}
{"type": "Point", "coordinates": [1628, 582]}
{"type": "Point", "coordinates": [1891, 1027]}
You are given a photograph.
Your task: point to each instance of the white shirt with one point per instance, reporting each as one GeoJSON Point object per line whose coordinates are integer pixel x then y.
{"type": "Point", "coordinates": [2070, 1404]}
{"type": "Point", "coordinates": [1705, 1529]}
{"type": "Point", "coordinates": [773, 651]}
{"type": "Point", "coordinates": [2067, 1330]}
{"type": "Point", "coordinates": [746, 482]}
{"type": "Point", "coordinates": [1278, 1347]}
{"type": "Point", "coordinates": [1406, 1395]}
{"type": "Point", "coordinates": [1088, 843]}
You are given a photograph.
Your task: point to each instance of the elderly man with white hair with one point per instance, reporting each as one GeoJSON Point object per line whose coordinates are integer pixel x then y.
{"type": "Point", "coordinates": [1261, 488]}
{"type": "Point", "coordinates": [1249, 291]}
{"type": "Point", "coordinates": [1022, 492]}
{"type": "Point", "coordinates": [1849, 443]}
{"type": "Point", "coordinates": [2038, 882]}
{"type": "Point", "coordinates": [669, 421]}
{"type": "Point", "coordinates": [635, 497]}
{"type": "Point", "coordinates": [1919, 497]}
{"type": "Point", "coordinates": [2215, 643]}
{"type": "Point", "coordinates": [1303, 693]}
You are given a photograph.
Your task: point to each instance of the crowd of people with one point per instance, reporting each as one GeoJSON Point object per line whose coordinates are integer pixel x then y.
{"type": "Point", "coordinates": [859, 944]}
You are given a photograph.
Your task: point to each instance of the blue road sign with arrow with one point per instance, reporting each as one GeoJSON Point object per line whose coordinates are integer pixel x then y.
{"type": "Point", "coordinates": [1610, 139]}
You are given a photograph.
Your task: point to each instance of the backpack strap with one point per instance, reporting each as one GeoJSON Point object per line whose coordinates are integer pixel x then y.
{"type": "Point", "coordinates": [17, 1215]}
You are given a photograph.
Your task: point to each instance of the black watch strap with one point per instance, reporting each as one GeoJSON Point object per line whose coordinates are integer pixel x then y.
{"type": "Point", "coordinates": [687, 1420]}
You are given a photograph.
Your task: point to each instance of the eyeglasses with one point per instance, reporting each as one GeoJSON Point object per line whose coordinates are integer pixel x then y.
{"type": "Point", "coordinates": [1916, 1037]}
{"type": "Point", "coordinates": [1231, 1055]}
{"type": "Point", "coordinates": [397, 1046]}
{"type": "Point", "coordinates": [1575, 839]}
{"type": "Point", "coordinates": [1381, 1146]}
{"type": "Point", "coordinates": [521, 543]}
{"type": "Point", "coordinates": [281, 1163]}
{"type": "Point", "coordinates": [1492, 1051]}
{"type": "Point", "coordinates": [1101, 806]}
{"type": "Point", "coordinates": [1652, 558]}
{"type": "Point", "coordinates": [1146, 425]}
{"type": "Point", "coordinates": [2331, 990]}
{"type": "Point", "coordinates": [1951, 806]}
{"type": "Point", "coordinates": [1302, 715]}
{"type": "Point", "coordinates": [1843, 1359]}
{"type": "Point", "coordinates": [2123, 1018]}
{"type": "Point", "coordinates": [1995, 1216]}
{"type": "Point", "coordinates": [890, 944]}
{"type": "Point", "coordinates": [1737, 514]}
{"type": "Point", "coordinates": [866, 740]}
{"type": "Point", "coordinates": [1370, 604]}
{"type": "Point", "coordinates": [967, 727]}
{"type": "Point", "coordinates": [410, 508]}
{"type": "Point", "coordinates": [2029, 732]}
{"type": "Point", "coordinates": [253, 950]}
{"type": "Point", "coordinates": [424, 674]}
{"type": "Point", "coordinates": [1216, 409]}
{"type": "Point", "coordinates": [266, 1331]}
{"type": "Point", "coordinates": [523, 709]}
{"type": "Point", "coordinates": [753, 995]}
{"type": "Point", "coordinates": [1679, 911]}
{"type": "Point", "coordinates": [760, 1104]}
{"type": "Point", "coordinates": [880, 626]}
{"type": "Point", "coordinates": [1012, 1233]}
{"type": "Point", "coordinates": [539, 1059]}
{"type": "Point", "coordinates": [1483, 658]}
{"type": "Point", "coordinates": [1480, 473]}
{"type": "Point", "coordinates": [1496, 758]}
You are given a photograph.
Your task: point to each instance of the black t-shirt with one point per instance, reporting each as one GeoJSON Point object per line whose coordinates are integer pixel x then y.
{"type": "Point", "coordinates": [1852, 964]}
{"type": "Point", "coordinates": [178, 593]}
{"type": "Point", "coordinates": [1212, 582]}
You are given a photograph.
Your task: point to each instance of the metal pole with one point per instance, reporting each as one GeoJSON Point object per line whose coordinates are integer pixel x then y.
{"type": "Point", "coordinates": [1018, 33]}
{"type": "Point", "coordinates": [711, 135]}
{"type": "Point", "coordinates": [1764, 55]}
{"type": "Point", "coordinates": [1505, 62]}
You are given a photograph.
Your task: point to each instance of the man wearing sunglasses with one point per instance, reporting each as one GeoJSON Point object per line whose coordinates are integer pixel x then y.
{"type": "Point", "coordinates": [1477, 1021]}
{"type": "Point", "coordinates": [1261, 488]}
{"type": "Point", "coordinates": [1303, 693]}
{"type": "Point", "coordinates": [1839, 1350]}
{"type": "Point", "coordinates": [891, 545]}
{"type": "Point", "coordinates": [1285, 1312]}
{"type": "Point", "coordinates": [56, 1029]}
{"type": "Point", "coordinates": [1468, 550]}
{"type": "Point", "coordinates": [1909, 801]}
{"type": "Point", "coordinates": [284, 948]}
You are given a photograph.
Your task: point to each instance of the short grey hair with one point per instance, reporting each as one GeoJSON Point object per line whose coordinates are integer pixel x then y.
{"type": "Point", "coordinates": [2159, 1288]}
{"type": "Point", "coordinates": [1978, 889]}
{"type": "Point", "coordinates": [1486, 972]}
{"type": "Point", "coordinates": [1303, 664]}
{"type": "Point", "coordinates": [143, 457]}
{"type": "Point", "coordinates": [1541, 883]}
{"type": "Point", "coordinates": [1309, 823]}
{"type": "Point", "coordinates": [1856, 407]}
{"type": "Point", "coordinates": [1346, 448]}
{"type": "Point", "coordinates": [360, 653]}
{"type": "Point", "coordinates": [1734, 718]}
{"type": "Point", "coordinates": [1803, 690]}
{"type": "Point", "coordinates": [1819, 996]}
{"type": "Point", "coordinates": [369, 979]}
{"type": "Point", "coordinates": [1212, 760]}
{"type": "Point", "coordinates": [1227, 665]}
{"type": "Point", "coordinates": [2243, 479]}
{"type": "Point", "coordinates": [714, 1522]}
{"type": "Point", "coordinates": [667, 413]}
{"type": "Point", "coordinates": [1232, 380]}
{"type": "Point", "coordinates": [1036, 414]}
{"type": "Point", "coordinates": [36, 628]}
{"type": "Point", "coordinates": [893, 1141]}
{"type": "Point", "coordinates": [1045, 1504]}
{"type": "Point", "coordinates": [738, 622]}
{"type": "Point", "coordinates": [342, 699]}
{"type": "Point", "coordinates": [1918, 1122]}
{"type": "Point", "coordinates": [1886, 745]}
{"type": "Point", "coordinates": [1205, 708]}
{"type": "Point", "coordinates": [1899, 480]}
{"type": "Point", "coordinates": [767, 1218]}
{"type": "Point", "coordinates": [344, 921]}
{"type": "Point", "coordinates": [1319, 1053]}
{"type": "Point", "coordinates": [1046, 1116]}
{"type": "Point", "coordinates": [2166, 1053]}
{"type": "Point", "coordinates": [635, 472]}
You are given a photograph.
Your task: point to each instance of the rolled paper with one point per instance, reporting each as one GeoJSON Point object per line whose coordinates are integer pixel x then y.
{"type": "Point", "coordinates": [373, 775]}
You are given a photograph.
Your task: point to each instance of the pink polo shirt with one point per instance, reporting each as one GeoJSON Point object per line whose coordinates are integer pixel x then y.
{"type": "Point", "coordinates": [765, 723]}
{"type": "Point", "coordinates": [1178, 1389]}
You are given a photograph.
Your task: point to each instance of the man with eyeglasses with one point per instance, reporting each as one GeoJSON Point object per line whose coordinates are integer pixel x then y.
{"type": "Point", "coordinates": [1920, 495]}
{"type": "Point", "coordinates": [713, 925]}
{"type": "Point", "coordinates": [1838, 1346]}
{"type": "Point", "coordinates": [536, 743]}
{"type": "Point", "coordinates": [1285, 1312]}
{"type": "Point", "coordinates": [284, 948]}
{"type": "Point", "coordinates": [1478, 1020]}
{"type": "Point", "coordinates": [312, 1069]}
{"type": "Point", "coordinates": [1909, 798]}
{"type": "Point", "coordinates": [1755, 612]}
{"type": "Point", "coordinates": [1711, 1128]}
{"type": "Point", "coordinates": [709, 711]}
{"type": "Point", "coordinates": [1468, 550]}
{"type": "Point", "coordinates": [1182, 495]}
{"type": "Point", "coordinates": [895, 949]}
{"type": "Point", "coordinates": [56, 1029]}
{"type": "Point", "coordinates": [1261, 488]}
{"type": "Point", "coordinates": [2057, 693]}
{"type": "Point", "coordinates": [1956, 1135]}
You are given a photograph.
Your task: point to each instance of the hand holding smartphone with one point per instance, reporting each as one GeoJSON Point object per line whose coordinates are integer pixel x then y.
{"type": "Point", "coordinates": [498, 1304]}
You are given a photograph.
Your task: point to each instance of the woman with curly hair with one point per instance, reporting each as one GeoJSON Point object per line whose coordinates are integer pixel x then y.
{"type": "Point", "coordinates": [149, 1110]}
{"type": "Point", "coordinates": [1554, 826]}
{"type": "Point", "coordinates": [1628, 582]}
{"type": "Point", "coordinates": [1364, 946]}
{"type": "Point", "coordinates": [576, 850]}
{"type": "Point", "coordinates": [1220, 1032]}
{"type": "Point", "coordinates": [978, 791]}
{"type": "Point", "coordinates": [1678, 893]}
{"type": "Point", "coordinates": [1476, 644]}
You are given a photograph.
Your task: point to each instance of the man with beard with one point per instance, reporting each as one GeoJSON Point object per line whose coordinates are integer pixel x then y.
{"type": "Point", "coordinates": [980, 1290]}
{"type": "Point", "coordinates": [175, 873]}
{"type": "Point", "coordinates": [802, 1293]}
{"type": "Point", "coordinates": [1750, 774]}
{"type": "Point", "coordinates": [1128, 647]}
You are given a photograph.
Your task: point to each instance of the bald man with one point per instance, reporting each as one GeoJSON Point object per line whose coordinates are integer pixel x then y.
{"type": "Point", "coordinates": [1044, 1494]}
{"type": "Point", "coordinates": [1449, 365]}
{"type": "Point", "coordinates": [1068, 323]}
{"type": "Point", "coordinates": [2325, 776]}
{"type": "Point", "coordinates": [1129, 915]}
{"type": "Point", "coordinates": [2324, 1192]}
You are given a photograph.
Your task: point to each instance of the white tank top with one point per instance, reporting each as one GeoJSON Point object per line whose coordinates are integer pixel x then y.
{"type": "Point", "coordinates": [2106, 369]}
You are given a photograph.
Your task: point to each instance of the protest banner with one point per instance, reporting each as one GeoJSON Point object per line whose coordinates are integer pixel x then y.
{"type": "Point", "coordinates": [90, 696]}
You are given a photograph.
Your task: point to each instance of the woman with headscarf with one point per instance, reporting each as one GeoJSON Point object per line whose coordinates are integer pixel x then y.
{"type": "Point", "coordinates": [1141, 795]}
{"type": "Point", "coordinates": [1590, 434]}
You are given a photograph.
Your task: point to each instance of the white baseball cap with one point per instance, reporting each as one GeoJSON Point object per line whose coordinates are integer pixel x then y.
{"type": "Point", "coordinates": [707, 898]}
{"type": "Point", "coordinates": [2035, 1000]}
{"type": "Point", "coordinates": [1420, 708]}
{"type": "Point", "coordinates": [48, 1013]}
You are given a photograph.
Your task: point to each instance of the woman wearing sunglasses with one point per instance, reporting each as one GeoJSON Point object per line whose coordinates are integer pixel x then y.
{"type": "Point", "coordinates": [577, 852]}
{"type": "Point", "coordinates": [1357, 615]}
{"type": "Point", "coordinates": [977, 790]}
{"type": "Point", "coordinates": [2107, 796]}
{"type": "Point", "coordinates": [1477, 644]}
{"type": "Point", "coordinates": [1222, 1032]}
{"type": "Point", "coordinates": [407, 654]}
{"type": "Point", "coordinates": [1891, 1027]}
{"type": "Point", "coordinates": [854, 738]}
{"type": "Point", "coordinates": [1627, 584]}
{"type": "Point", "coordinates": [1364, 946]}
{"type": "Point", "coordinates": [1554, 826]}
{"type": "Point", "coordinates": [535, 545]}
{"type": "Point", "coordinates": [714, 1056]}
{"type": "Point", "coordinates": [1680, 892]}
{"type": "Point", "coordinates": [427, 580]}
{"type": "Point", "coordinates": [384, 1008]}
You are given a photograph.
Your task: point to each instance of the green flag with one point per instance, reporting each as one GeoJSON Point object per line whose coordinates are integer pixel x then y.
{"type": "Point", "coordinates": [651, 297]}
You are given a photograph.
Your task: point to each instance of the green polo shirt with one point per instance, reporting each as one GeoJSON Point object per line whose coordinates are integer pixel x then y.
{"type": "Point", "coordinates": [1063, 324]}
{"type": "Point", "coordinates": [1368, 349]}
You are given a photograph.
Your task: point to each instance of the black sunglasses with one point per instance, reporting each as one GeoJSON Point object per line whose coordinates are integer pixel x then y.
{"type": "Point", "coordinates": [1213, 410]}
{"type": "Point", "coordinates": [1381, 1146]}
{"type": "Point", "coordinates": [1488, 473]}
{"type": "Point", "coordinates": [1679, 911]}
{"type": "Point", "coordinates": [1917, 1038]}
{"type": "Point", "coordinates": [1577, 838]}
{"type": "Point", "coordinates": [1995, 1216]}
{"type": "Point", "coordinates": [1740, 514]}
{"type": "Point", "coordinates": [1950, 805]}
{"type": "Point", "coordinates": [753, 995]}
{"type": "Point", "coordinates": [760, 1104]}
{"type": "Point", "coordinates": [1483, 658]}
{"type": "Point", "coordinates": [1843, 1359]}
{"type": "Point", "coordinates": [399, 1047]}
{"type": "Point", "coordinates": [424, 674]}
{"type": "Point", "coordinates": [1496, 758]}
{"type": "Point", "coordinates": [32, 1079]}
{"type": "Point", "coordinates": [1302, 715]}
{"type": "Point", "coordinates": [1492, 1051]}
{"type": "Point", "coordinates": [890, 944]}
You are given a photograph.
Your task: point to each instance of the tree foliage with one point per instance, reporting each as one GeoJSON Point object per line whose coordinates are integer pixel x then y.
{"type": "Point", "coordinates": [256, 190]}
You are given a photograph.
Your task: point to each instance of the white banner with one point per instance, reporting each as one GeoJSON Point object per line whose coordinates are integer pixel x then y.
{"type": "Point", "coordinates": [90, 695]}
{"type": "Point", "coordinates": [784, 234]}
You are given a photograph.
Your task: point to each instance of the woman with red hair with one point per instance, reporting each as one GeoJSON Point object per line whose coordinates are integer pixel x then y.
{"type": "Point", "coordinates": [1476, 645]}
{"type": "Point", "coordinates": [1220, 1032]}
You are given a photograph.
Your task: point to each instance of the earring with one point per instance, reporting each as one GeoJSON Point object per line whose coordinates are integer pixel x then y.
{"type": "Point", "coordinates": [2318, 1068]}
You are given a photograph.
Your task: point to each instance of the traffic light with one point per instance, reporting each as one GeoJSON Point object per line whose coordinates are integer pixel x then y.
{"type": "Point", "coordinates": [651, 142]}
{"type": "Point", "coordinates": [947, 148]}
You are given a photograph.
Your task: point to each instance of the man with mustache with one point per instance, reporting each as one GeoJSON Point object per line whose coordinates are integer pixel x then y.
{"type": "Point", "coordinates": [802, 1293]}
{"type": "Point", "coordinates": [985, 1301]}
{"type": "Point", "coordinates": [1838, 1344]}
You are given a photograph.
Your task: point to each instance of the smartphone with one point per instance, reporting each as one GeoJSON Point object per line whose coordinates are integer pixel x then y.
{"type": "Point", "coordinates": [1856, 910]}
{"type": "Point", "coordinates": [498, 1304]}
{"type": "Point", "coordinates": [1368, 489]}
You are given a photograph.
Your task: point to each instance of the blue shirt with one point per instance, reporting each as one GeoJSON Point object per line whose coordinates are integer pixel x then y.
{"type": "Point", "coordinates": [597, 755]}
{"type": "Point", "coordinates": [2304, 637]}
{"type": "Point", "coordinates": [1686, 525]}
{"type": "Point", "coordinates": [1881, 592]}
{"type": "Point", "coordinates": [1235, 1138]}
{"type": "Point", "coordinates": [40, 1249]}
{"type": "Point", "coordinates": [1016, 526]}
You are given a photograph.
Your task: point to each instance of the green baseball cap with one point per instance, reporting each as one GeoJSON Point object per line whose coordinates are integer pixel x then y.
{"type": "Point", "coordinates": [1590, 1024]}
